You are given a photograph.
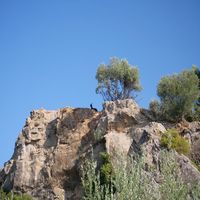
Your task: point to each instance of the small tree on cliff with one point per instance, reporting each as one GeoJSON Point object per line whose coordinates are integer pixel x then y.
{"type": "Point", "coordinates": [117, 80]}
{"type": "Point", "coordinates": [196, 115]}
{"type": "Point", "coordinates": [178, 94]}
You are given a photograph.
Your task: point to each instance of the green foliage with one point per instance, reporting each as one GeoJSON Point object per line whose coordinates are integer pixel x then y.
{"type": "Point", "coordinates": [132, 182]}
{"type": "Point", "coordinates": [93, 189]}
{"type": "Point", "coordinates": [117, 80]}
{"type": "Point", "coordinates": [126, 183]}
{"type": "Point", "coordinates": [197, 166]}
{"type": "Point", "coordinates": [178, 94]}
{"type": "Point", "coordinates": [154, 107]}
{"type": "Point", "coordinates": [195, 191]}
{"type": "Point", "coordinates": [196, 113]}
{"type": "Point", "coordinates": [97, 135]}
{"type": "Point", "coordinates": [23, 197]}
{"type": "Point", "coordinates": [172, 186]}
{"type": "Point", "coordinates": [172, 140]}
{"type": "Point", "coordinates": [13, 196]}
{"type": "Point", "coordinates": [197, 72]}
{"type": "Point", "coordinates": [106, 170]}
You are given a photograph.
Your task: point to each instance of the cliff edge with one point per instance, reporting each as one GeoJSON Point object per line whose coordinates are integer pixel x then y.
{"type": "Point", "coordinates": [53, 144]}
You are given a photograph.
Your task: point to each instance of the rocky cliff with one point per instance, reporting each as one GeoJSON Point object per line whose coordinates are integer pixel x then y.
{"type": "Point", "coordinates": [52, 145]}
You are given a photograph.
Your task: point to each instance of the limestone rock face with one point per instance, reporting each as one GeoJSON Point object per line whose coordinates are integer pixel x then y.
{"type": "Point", "coordinates": [52, 145]}
{"type": "Point", "coordinates": [46, 153]}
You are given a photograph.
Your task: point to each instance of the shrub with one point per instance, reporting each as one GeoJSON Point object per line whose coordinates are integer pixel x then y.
{"type": "Point", "coordinates": [172, 187]}
{"type": "Point", "coordinates": [172, 140]}
{"type": "Point", "coordinates": [197, 166]}
{"type": "Point", "coordinates": [106, 170]}
{"type": "Point", "coordinates": [154, 107]}
{"type": "Point", "coordinates": [97, 135]}
{"type": "Point", "coordinates": [12, 196]}
{"type": "Point", "coordinates": [133, 182]}
{"type": "Point", "coordinates": [91, 182]}
{"type": "Point", "coordinates": [178, 94]}
{"type": "Point", "coordinates": [117, 80]}
{"type": "Point", "coordinates": [127, 183]}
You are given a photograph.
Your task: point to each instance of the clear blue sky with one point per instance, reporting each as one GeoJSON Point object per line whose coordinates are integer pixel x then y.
{"type": "Point", "coordinates": [50, 50]}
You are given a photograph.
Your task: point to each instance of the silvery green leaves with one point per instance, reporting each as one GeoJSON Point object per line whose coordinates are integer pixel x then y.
{"type": "Point", "coordinates": [117, 80]}
{"type": "Point", "coordinates": [131, 181]}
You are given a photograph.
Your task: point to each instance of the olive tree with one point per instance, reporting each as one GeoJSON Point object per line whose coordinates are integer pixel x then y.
{"type": "Point", "coordinates": [154, 107]}
{"type": "Point", "coordinates": [117, 80]}
{"type": "Point", "coordinates": [178, 94]}
{"type": "Point", "coordinates": [196, 114]}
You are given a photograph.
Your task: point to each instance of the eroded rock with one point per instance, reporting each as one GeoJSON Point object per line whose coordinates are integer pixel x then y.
{"type": "Point", "coordinates": [53, 144]}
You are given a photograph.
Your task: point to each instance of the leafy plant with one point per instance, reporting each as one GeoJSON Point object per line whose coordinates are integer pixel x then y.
{"type": "Point", "coordinates": [178, 94]}
{"type": "Point", "coordinates": [117, 80]}
{"type": "Point", "coordinates": [172, 186]}
{"type": "Point", "coordinates": [91, 182]}
{"type": "Point", "coordinates": [154, 107]}
{"type": "Point", "coordinates": [172, 140]}
{"type": "Point", "coordinates": [197, 166]}
{"type": "Point", "coordinates": [97, 135]}
{"type": "Point", "coordinates": [106, 170]}
{"type": "Point", "coordinates": [132, 182]}
{"type": "Point", "coordinates": [12, 196]}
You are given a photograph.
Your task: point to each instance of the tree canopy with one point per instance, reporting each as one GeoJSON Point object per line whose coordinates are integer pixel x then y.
{"type": "Point", "coordinates": [178, 94]}
{"type": "Point", "coordinates": [117, 80]}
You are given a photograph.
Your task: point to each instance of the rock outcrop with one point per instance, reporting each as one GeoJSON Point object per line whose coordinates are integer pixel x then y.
{"type": "Point", "coordinates": [47, 151]}
{"type": "Point", "coordinates": [52, 145]}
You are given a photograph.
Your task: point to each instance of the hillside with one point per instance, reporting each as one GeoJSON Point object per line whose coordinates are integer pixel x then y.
{"type": "Point", "coordinates": [53, 145]}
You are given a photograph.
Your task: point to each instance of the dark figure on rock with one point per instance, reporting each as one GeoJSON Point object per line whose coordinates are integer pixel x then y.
{"type": "Point", "coordinates": [93, 108]}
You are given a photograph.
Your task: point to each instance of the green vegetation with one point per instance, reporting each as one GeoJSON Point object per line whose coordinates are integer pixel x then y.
{"type": "Point", "coordinates": [154, 106]}
{"type": "Point", "coordinates": [13, 196]}
{"type": "Point", "coordinates": [196, 112]}
{"type": "Point", "coordinates": [197, 166]}
{"type": "Point", "coordinates": [97, 135]}
{"type": "Point", "coordinates": [178, 94]}
{"type": "Point", "coordinates": [172, 140]}
{"type": "Point", "coordinates": [117, 80]}
{"type": "Point", "coordinates": [197, 72]}
{"type": "Point", "coordinates": [100, 184]}
{"type": "Point", "coordinates": [173, 187]}
{"type": "Point", "coordinates": [106, 170]}
{"type": "Point", "coordinates": [132, 182]}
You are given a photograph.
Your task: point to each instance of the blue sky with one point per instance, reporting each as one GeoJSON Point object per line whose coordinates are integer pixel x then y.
{"type": "Point", "coordinates": [50, 51]}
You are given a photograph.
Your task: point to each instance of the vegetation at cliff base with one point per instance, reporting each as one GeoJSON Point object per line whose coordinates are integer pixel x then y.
{"type": "Point", "coordinates": [117, 80]}
{"type": "Point", "coordinates": [13, 196]}
{"type": "Point", "coordinates": [132, 182]}
{"type": "Point", "coordinates": [106, 170]}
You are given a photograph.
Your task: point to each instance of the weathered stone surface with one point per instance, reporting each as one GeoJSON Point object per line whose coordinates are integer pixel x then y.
{"type": "Point", "coordinates": [52, 145]}
{"type": "Point", "coordinates": [188, 172]}
{"type": "Point", "coordinates": [194, 137]}
{"type": "Point", "coordinates": [46, 153]}
{"type": "Point", "coordinates": [146, 141]}
{"type": "Point", "coordinates": [123, 114]}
